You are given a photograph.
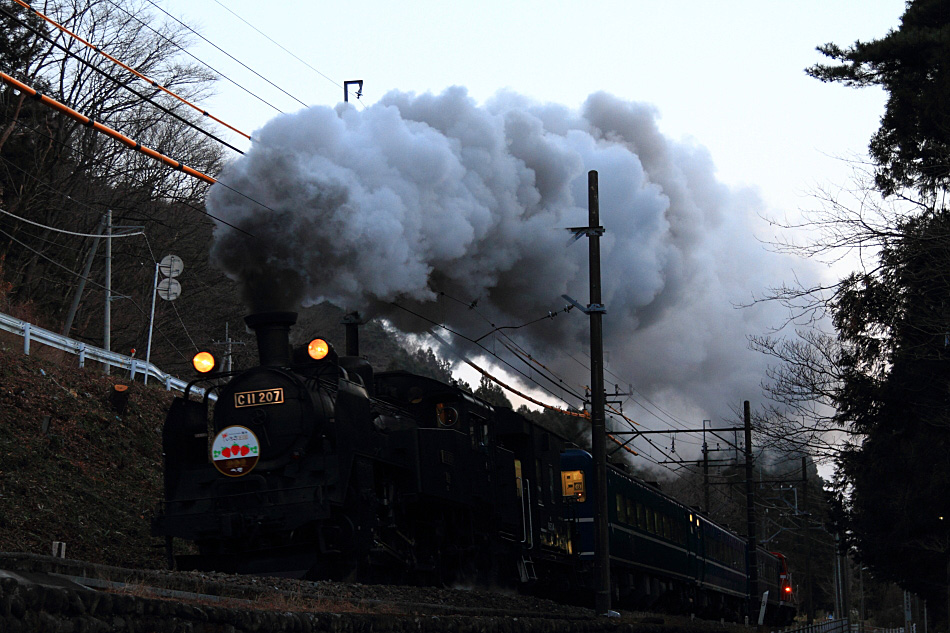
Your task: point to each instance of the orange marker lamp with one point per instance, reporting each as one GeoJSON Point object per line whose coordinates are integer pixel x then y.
{"type": "Point", "coordinates": [318, 349]}
{"type": "Point", "coordinates": [204, 362]}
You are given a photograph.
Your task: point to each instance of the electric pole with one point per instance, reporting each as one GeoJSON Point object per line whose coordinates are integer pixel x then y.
{"type": "Point", "coordinates": [107, 317]}
{"type": "Point", "coordinates": [598, 421]}
{"type": "Point", "coordinates": [705, 470]}
{"type": "Point", "coordinates": [753, 564]}
{"type": "Point", "coordinates": [809, 604]}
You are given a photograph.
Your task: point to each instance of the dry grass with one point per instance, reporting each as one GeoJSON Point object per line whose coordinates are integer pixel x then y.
{"type": "Point", "coordinates": [276, 601]}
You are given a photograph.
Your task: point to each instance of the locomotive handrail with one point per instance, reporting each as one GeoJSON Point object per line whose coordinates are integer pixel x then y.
{"type": "Point", "coordinates": [33, 333]}
{"type": "Point", "coordinates": [529, 524]}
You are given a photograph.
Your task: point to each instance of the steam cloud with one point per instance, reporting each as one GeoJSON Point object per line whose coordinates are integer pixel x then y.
{"type": "Point", "coordinates": [422, 194]}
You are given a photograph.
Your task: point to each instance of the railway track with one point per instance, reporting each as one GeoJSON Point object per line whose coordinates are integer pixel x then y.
{"type": "Point", "coordinates": [40, 593]}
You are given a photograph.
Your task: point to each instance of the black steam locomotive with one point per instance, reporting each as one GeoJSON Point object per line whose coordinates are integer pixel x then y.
{"type": "Point", "coordinates": [311, 465]}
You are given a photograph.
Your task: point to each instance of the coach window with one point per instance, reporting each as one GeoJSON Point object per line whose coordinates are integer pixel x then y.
{"type": "Point", "coordinates": [619, 500]}
{"type": "Point", "coordinates": [641, 517]}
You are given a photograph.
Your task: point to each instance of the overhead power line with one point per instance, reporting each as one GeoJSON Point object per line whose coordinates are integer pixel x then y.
{"type": "Point", "coordinates": [120, 83]}
{"type": "Point", "coordinates": [53, 228]}
{"type": "Point", "coordinates": [132, 144]}
{"type": "Point", "coordinates": [226, 53]}
{"type": "Point", "coordinates": [194, 57]}
{"type": "Point", "coordinates": [111, 173]}
{"type": "Point", "coordinates": [108, 131]}
{"type": "Point", "coordinates": [278, 44]}
{"type": "Point", "coordinates": [130, 69]}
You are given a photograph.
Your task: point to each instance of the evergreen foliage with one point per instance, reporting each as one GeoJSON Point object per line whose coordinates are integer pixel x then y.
{"type": "Point", "coordinates": [492, 393]}
{"type": "Point", "coordinates": [895, 330]}
{"type": "Point", "coordinates": [912, 64]}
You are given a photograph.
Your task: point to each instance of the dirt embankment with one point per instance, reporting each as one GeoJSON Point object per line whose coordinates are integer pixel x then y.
{"type": "Point", "coordinates": [74, 467]}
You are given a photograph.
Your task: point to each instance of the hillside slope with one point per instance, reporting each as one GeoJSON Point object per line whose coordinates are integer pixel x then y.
{"type": "Point", "coordinates": [72, 468]}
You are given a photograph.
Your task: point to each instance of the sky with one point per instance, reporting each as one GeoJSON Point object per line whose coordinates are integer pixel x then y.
{"type": "Point", "coordinates": [704, 107]}
{"type": "Point", "coordinates": [729, 75]}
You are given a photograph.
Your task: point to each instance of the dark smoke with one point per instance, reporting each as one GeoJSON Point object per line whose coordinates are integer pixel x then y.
{"type": "Point", "coordinates": [419, 195]}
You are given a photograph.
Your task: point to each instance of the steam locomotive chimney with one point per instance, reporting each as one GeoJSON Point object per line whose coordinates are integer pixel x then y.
{"type": "Point", "coordinates": [273, 336]}
{"type": "Point", "coordinates": [351, 323]}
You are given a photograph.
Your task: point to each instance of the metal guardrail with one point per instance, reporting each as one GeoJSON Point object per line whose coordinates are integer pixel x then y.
{"type": "Point", "coordinates": [134, 366]}
{"type": "Point", "coordinates": [840, 626]}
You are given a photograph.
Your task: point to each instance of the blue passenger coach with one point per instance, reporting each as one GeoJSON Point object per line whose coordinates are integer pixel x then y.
{"type": "Point", "coordinates": [665, 555]}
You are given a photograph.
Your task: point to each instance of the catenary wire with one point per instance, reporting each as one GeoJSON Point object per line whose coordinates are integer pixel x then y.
{"type": "Point", "coordinates": [132, 144]}
{"type": "Point", "coordinates": [152, 82]}
{"type": "Point", "coordinates": [120, 83]}
{"type": "Point", "coordinates": [197, 59]}
{"type": "Point", "coordinates": [108, 131]}
{"type": "Point", "coordinates": [226, 53]}
{"type": "Point", "coordinates": [229, 10]}
{"type": "Point", "coordinates": [462, 336]}
{"type": "Point", "coordinates": [84, 155]}
{"type": "Point", "coordinates": [473, 306]}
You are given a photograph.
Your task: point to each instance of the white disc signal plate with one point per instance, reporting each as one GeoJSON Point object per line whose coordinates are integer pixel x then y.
{"type": "Point", "coordinates": [235, 451]}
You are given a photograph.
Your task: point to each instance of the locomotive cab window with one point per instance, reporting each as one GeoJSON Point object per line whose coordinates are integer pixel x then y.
{"type": "Point", "coordinates": [478, 430]}
{"type": "Point", "coordinates": [572, 485]}
{"type": "Point", "coordinates": [446, 414]}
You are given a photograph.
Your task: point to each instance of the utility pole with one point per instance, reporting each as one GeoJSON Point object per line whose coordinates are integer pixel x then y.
{"type": "Point", "coordinates": [753, 565]}
{"type": "Point", "coordinates": [809, 602]}
{"type": "Point", "coordinates": [229, 344]}
{"type": "Point", "coordinates": [841, 560]}
{"type": "Point", "coordinates": [705, 470]}
{"type": "Point", "coordinates": [598, 422]}
{"type": "Point", "coordinates": [107, 317]}
{"type": "Point", "coordinates": [68, 325]}
{"type": "Point", "coordinates": [598, 418]}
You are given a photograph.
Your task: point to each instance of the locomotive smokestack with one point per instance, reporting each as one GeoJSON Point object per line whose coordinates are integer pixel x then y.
{"type": "Point", "coordinates": [351, 324]}
{"type": "Point", "coordinates": [273, 336]}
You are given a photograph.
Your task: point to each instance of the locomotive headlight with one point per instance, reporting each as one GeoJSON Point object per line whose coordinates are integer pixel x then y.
{"type": "Point", "coordinates": [318, 349]}
{"type": "Point", "coordinates": [204, 362]}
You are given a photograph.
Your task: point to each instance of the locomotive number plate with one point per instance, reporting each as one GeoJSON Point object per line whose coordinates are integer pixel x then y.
{"type": "Point", "coordinates": [259, 397]}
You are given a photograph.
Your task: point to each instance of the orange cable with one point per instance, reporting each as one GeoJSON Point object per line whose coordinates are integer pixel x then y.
{"type": "Point", "coordinates": [99, 127]}
{"type": "Point", "coordinates": [131, 70]}
{"type": "Point", "coordinates": [622, 445]}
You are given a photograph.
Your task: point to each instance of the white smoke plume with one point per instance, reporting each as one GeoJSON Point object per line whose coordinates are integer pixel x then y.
{"type": "Point", "coordinates": [419, 195]}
